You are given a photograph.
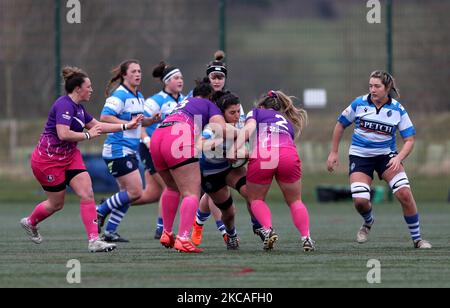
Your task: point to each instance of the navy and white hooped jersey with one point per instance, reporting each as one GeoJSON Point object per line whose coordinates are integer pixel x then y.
{"type": "Point", "coordinates": [214, 165]}
{"type": "Point", "coordinates": [123, 104]}
{"type": "Point", "coordinates": [375, 129]}
{"type": "Point", "coordinates": [211, 166]}
{"type": "Point", "coordinates": [163, 103]}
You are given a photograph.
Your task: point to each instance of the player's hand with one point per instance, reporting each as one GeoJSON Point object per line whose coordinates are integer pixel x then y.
{"type": "Point", "coordinates": [333, 161]}
{"type": "Point", "coordinates": [135, 122]}
{"type": "Point", "coordinates": [157, 117]}
{"type": "Point", "coordinates": [394, 164]}
{"type": "Point", "coordinates": [95, 131]}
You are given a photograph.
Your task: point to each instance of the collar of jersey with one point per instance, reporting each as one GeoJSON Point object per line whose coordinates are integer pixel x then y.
{"type": "Point", "coordinates": [135, 95]}
{"type": "Point", "coordinates": [175, 99]}
{"type": "Point", "coordinates": [369, 99]}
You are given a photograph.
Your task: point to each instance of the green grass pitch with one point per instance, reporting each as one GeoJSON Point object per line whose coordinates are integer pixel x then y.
{"type": "Point", "coordinates": [338, 262]}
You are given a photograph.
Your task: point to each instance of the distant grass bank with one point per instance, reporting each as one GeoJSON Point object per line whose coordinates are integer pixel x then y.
{"type": "Point", "coordinates": [426, 189]}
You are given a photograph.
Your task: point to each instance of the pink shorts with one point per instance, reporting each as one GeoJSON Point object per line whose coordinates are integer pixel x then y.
{"type": "Point", "coordinates": [51, 173]}
{"type": "Point", "coordinates": [286, 167]}
{"type": "Point", "coordinates": [173, 146]}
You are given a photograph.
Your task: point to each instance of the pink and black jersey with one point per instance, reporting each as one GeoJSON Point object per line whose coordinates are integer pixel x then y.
{"type": "Point", "coordinates": [64, 112]}
{"type": "Point", "coordinates": [194, 109]}
{"type": "Point", "coordinates": [273, 129]}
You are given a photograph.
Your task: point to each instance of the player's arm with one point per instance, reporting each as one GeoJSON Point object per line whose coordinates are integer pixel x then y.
{"type": "Point", "coordinates": [115, 127]}
{"type": "Point", "coordinates": [244, 135]}
{"type": "Point", "coordinates": [212, 137]}
{"type": "Point", "coordinates": [66, 134]}
{"type": "Point", "coordinates": [112, 119]}
{"type": "Point", "coordinates": [149, 121]}
{"type": "Point", "coordinates": [333, 157]}
{"type": "Point", "coordinates": [396, 162]}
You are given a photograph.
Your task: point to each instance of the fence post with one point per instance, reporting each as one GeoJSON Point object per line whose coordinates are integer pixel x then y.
{"type": "Point", "coordinates": [13, 132]}
{"type": "Point", "coordinates": [57, 39]}
{"type": "Point", "coordinates": [389, 38]}
{"type": "Point", "coordinates": [222, 25]}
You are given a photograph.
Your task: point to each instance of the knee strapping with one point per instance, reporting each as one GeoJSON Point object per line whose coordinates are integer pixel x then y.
{"type": "Point", "coordinates": [242, 182]}
{"type": "Point", "coordinates": [226, 205]}
{"type": "Point", "coordinates": [360, 190]}
{"type": "Point", "coordinates": [399, 181]}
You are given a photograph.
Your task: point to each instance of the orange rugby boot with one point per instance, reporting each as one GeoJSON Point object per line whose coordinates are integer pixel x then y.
{"type": "Point", "coordinates": [197, 232]}
{"type": "Point", "coordinates": [167, 239]}
{"type": "Point", "coordinates": [186, 245]}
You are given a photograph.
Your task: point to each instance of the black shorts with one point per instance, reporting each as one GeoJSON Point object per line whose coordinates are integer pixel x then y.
{"type": "Point", "coordinates": [122, 166]}
{"type": "Point", "coordinates": [368, 165]}
{"type": "Point", "coordinates": [70, 174]}
{"type": "Point", "coordinates": [215, 182]}
{"type": "Point", "coordinates": [146, 158]}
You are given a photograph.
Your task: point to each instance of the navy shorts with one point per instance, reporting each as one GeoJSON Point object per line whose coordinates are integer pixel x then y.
{"type": "Point", "coordinates": [146, 158]}
{"type": "Point", "coordinates": [368, 165]}
{"type": "Point", "coordinates": [122, 166]}
{"type": "Point", "coordinates": [215, 182]}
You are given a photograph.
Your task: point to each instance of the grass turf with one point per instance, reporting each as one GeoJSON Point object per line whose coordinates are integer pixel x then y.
{"type": "Point", "coordinates": [338, 261]}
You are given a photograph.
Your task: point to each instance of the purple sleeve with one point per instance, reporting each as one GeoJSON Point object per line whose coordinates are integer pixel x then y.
{"type": "Point", "coordinates": [87, 116]}
{"type": "Point", "coordinates": [251, 115]}
{"type": "Point", "coordinates": [63, 113]}
{"type": "Point", "coordinates": [214, 110]}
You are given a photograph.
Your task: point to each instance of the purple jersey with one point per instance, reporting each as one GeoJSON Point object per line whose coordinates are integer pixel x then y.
{"type": "Point", "coordinates": [65, 112]}
{"type": "Point", "coordinates": [273, 129]}
{"type": "Point", "coordinates": [194, 109]}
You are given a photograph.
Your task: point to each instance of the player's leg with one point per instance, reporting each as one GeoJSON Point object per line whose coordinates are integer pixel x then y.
{"type": "Point", "coordinates": [258, 185]}
{"type": "Point", "coordinates": [128, 178]}
{"type": "Point", "coordinates": [210, 184]}
{"type": "Point", "coordinates": [237, 179]}
{"type": "Point", "coordinates": [187, 178]}
{"type": "Point", "coordinates": [203, 213]}
{"type": "Point", "coordinates": [170, 199]}
{"type": "Point", "coordinates": [217, 214]}
{"type": "Point", "coordinates": [154, 186]}
{"type": "Point", "coordinates": [360, 189]}
{"type": "Point", "coordinates": [257, 194]}
{"type": "Point", "coordinates": [184, 177]}
{"type": "Point", "coordinates": [361, 171]}
{"type": "Point", "coordinates": [152, 191]}
{"type": "Point", "coordinates": [53, 204]}
{"type": "Point", "coordinates": [80, 182]}
{"type": "Point", "coordinates": [299, 212]}
{"type": "Point", "coordinates": [399, 183]}
{"type": "Point", "coordinates": [151, 194]}
{"type": "Point", "coordinates": [53, 181]}
{"type": "Point", "coordinates": [289, 176]}
{"type": "Point", "coordinates": [131, 185]}
{"type": "Point", "coordinates": [224, 202]}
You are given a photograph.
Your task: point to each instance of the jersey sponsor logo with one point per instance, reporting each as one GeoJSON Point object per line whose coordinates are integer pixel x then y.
{"type": "Point", "coordinates": [372, 126]}
{"type": "Point", "coordinates": [66, 116]}
{"type": "Point", "coordinates": [389, 113]}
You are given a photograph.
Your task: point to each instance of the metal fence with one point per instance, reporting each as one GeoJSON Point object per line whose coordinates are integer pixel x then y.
{"type": "Point", "coordinates": [291, 45]}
